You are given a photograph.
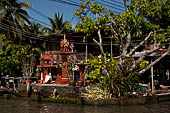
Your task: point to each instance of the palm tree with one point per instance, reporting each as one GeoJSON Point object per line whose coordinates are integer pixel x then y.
{"type": "Point", "coordinates": [33, 30]}
{"type": "Point", "coordinates": [13, 16]}
{"type": "Point", "coordinates": [58, 25]}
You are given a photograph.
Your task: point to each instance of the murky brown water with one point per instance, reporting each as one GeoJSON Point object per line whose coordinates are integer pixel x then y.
{"type": "Point", "coordinates": [27, 106]}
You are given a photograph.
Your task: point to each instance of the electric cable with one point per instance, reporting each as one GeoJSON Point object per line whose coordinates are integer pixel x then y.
{"type": "Point", "coordinates": [112, 3]}
{"type": "Point", "coordinates": [40, 21]}
{"type": "Point", "coordinates": [65, 2]}
{"type": "Point", "coordinates": [10, 29]}
{"type": "Point", "coordinates": [72, 41]}
{"type": "Point", "coordinates": [105, 5]}
{"type": "Point", "coordinates": [39, 13]}
{"type": "Point", "coordinates": [15, 24]}
{"type": "Point", "coordinates": [109, 6]}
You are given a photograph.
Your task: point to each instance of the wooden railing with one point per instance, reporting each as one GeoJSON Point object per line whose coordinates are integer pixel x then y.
{"type": "Point", "coordinates": [57, 57]}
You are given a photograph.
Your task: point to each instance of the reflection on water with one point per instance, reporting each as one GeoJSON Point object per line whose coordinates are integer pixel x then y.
{"type": "Point", "coordinates": [28, 106]}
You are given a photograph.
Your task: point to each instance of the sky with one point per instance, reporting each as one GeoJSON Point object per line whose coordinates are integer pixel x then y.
{"type": "Point", "coordinates": [47, 8]}
{"type": "Point", "coordinates": [42, 9]}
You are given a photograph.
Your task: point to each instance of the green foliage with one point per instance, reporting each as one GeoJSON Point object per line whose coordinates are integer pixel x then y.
{"type": "Point", "coordinates": [56, 97]}
{"type": "Point", "coordinates": [13, 57]}
{"type": "Point", "coordinates": [97, 65]}
{"type": "Point", "coordinates": [97, 19]}
{"type": "Point", "coordinates": [9, 62]}
{"type": "Point", "coordinates": [156, 11]}
{"type": "Point", "coordinates": [60, 99]}
{"type": "Point", "coordinates": [112, 77]}
{"type": "Point", "coordinates": [129, 28]}
{"type": "Point", "coordinates": [13, 16]}
{"type": "Point", "coordinates": [16, 43]}
{"type": "Point", "coordinates": [18, 48]}
{"type": "Point", "coordinates": [143, 64]}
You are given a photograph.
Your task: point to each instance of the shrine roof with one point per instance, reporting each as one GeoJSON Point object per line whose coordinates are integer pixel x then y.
{"type": "Point", "coordinates": [46, 66]}
{"type": "Point", "coordinates": [45, 57]}
{"type": "Point", "coordinates": [43, 64]}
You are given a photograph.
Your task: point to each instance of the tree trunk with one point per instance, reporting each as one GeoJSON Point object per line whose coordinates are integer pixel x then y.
{"type": "Point", "coordinates": [100, 45]}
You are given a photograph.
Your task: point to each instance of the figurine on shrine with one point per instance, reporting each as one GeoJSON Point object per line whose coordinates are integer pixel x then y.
{"type": "Point", "coordinates": [51, 61]}
{"type": "Point", "coordinates": [71, 47]}
{"type": "Point", "coordinates": [64, 44]}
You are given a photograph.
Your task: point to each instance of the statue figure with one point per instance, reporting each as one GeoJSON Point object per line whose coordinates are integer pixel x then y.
{"type": "Point", "coordinates": [71, 47]}
{"type": "Point", "coordinates": [64, 44]}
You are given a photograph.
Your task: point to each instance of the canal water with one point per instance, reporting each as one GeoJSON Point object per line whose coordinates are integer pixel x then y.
{"type": "Point", "coordinates": [27, 106]}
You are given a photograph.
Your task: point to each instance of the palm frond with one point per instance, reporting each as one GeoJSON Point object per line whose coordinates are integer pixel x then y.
{"type": "Point", "coordinates": [45, 29]}
{"type": "Point", "coordinates": [52, 23]}
{"type": "Point", "coordinates": [25, 5]}
{"type": "Point", "coordinates": [23, 12]}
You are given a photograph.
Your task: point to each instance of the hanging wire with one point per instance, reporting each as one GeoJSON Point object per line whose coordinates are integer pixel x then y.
{"type": "Point", "coordinates": [113, 7]}
{"type": "Point", "coordinates": [118, 1]}
{"type": "Point", "coordinates": [41, 22]}
{"type": "Point", "coordinates": [7, 28]}
{"type": "Point", "coordinates": [39, 13]}
{"type": "Point", "coordinates": [75, 4]}
{"type": "Point", "coordinates": [65, 2]}
{"type": "Point", "coordinates": [15, 24]}
{"type": "Point", "coordinates": [115, 4]}
{"type": "Point", "coordinates": [68, 34]}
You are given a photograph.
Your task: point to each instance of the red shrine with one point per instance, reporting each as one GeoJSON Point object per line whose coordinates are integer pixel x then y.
{"type": "Point", "coordinates": [46, 65]}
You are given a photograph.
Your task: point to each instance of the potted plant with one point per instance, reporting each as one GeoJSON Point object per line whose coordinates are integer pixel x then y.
{"type": "Point", "coordinates": [71, 80]}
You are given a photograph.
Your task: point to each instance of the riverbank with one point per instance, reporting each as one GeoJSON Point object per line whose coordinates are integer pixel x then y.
{"type": "Point", "coordinates": [72, 95]}
{"type": "Point", "coordinates": [65, 94]}
{"type": "Point", "coordinates": [154, 99]}
{"type": "Point", "coordinates": [99, 102]}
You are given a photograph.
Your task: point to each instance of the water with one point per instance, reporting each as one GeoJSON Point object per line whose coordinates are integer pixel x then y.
{"type": "Point", "coordinates": [28, 106]}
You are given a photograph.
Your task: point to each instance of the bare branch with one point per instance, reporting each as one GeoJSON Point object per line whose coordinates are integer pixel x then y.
{"type": "Point", "coordinates": [100, 37]}
{"type": "Point", "coordinates": [96, 41]}
{"type": "Point", "coordinates": [134, 49]}
{"type": "Point", "coordinates": [146, 53]}
{"type": "Point", "coordinates": [155, 41]}
{"type": "Point", "coordinates": [156, 61]}
{"type": "Point", "coordinates": [100, 44]}
{"type": "Point", "coordinates": [123, 31]}
{"type": "Point", "coordinates": [114, 31]}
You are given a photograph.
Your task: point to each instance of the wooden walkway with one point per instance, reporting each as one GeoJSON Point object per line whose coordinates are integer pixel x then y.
{"type": "Point", "coordinates": [7, 91]}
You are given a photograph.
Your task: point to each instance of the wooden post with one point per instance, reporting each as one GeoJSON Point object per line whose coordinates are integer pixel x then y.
{"type": "Point", "coordinates": [167, 73]}
{"type": "Point", "coordinates": [152, 77]}
{"type": "Point", "coordinates": [41, 75]}
{"type": "Point", "coordinates": [111, 48]}
{"type": "Point", "coordinates": [86, 51]}
{"type": "Point", "coordinates": [29, 89]}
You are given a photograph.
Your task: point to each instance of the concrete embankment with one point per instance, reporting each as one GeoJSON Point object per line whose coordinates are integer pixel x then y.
{"type": "Point", "coordinates": [66, 94]}
{"type": "Point", "coordinates": [71, 94]}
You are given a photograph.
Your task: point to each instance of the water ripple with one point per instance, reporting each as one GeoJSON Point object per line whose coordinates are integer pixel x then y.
{"type": "Point", "coordinates": [28, 106]}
